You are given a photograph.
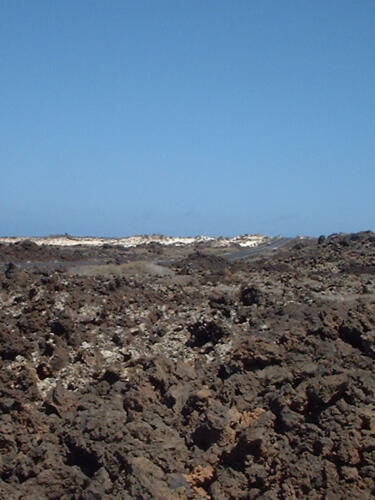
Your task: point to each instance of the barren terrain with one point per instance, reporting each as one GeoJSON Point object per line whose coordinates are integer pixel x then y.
{"type": "Point", "coordinates": [189, 370]}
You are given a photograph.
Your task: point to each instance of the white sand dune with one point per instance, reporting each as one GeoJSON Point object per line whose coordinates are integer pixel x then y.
{"type": "Point", "coordinates": [246, 240]}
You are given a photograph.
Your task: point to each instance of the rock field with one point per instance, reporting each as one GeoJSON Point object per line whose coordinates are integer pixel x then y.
{"type": "Point", "coordinates": [169, 373]}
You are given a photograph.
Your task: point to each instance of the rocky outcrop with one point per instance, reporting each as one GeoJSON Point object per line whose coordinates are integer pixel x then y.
{"type": "Point", "coordinates": [253, 379]}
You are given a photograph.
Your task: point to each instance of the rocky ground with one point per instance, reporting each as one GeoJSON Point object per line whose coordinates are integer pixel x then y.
{"type": "Point", "coordinates": [155, 373]}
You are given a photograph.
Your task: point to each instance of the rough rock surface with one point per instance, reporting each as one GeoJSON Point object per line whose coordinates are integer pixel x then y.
{"type": "Point", "coordinates": [249, 380]}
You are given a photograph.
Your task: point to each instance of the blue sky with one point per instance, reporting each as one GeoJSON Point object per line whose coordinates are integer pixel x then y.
{"type": "Point", "coordinates": [186, 117]}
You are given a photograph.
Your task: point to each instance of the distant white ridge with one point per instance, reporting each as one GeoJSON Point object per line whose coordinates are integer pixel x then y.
{"type": "Point", "coordinates": [245, 240]}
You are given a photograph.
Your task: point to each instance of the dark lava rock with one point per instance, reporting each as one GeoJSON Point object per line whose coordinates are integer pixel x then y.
{"type": "Point", "coordinates": [250, 295]}
{"type": "Point", "coordinates": [205, 332]}
{"type": "Point", "coordinates": [244, 380]}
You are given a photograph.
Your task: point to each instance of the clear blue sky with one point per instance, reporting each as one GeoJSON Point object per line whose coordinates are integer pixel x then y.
{"type": "Point", "coordinates": [187, 117]}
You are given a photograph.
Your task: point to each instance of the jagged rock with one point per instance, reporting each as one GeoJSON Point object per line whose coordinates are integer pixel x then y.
{"type": "Point", "coordinates": [251, 378]}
